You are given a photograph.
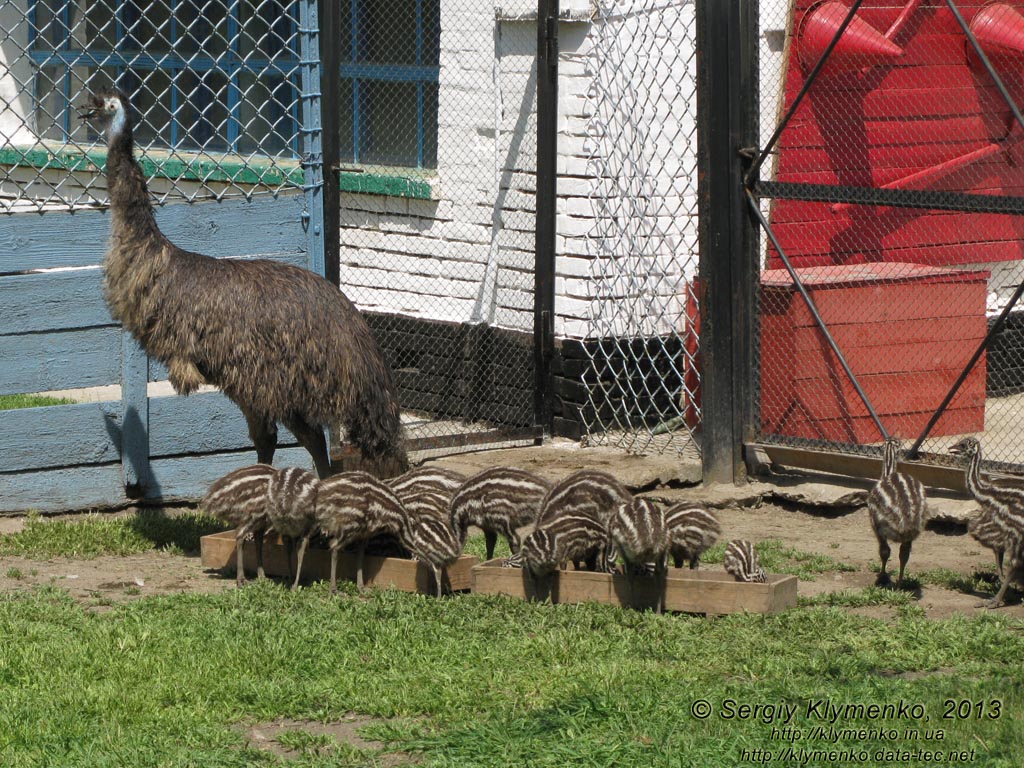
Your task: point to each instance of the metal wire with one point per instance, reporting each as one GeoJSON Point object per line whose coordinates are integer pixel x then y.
{"type": "Point", "coordinates": [640, 236]}
{"type": "Point", "coordinates": [214, 85]}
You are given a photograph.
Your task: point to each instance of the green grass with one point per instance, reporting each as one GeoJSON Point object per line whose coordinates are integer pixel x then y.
{"type": "Point", "coordinates": [981, 582]}
{"type": "Point", "coordinates": [11, 402]}
{"type": "Point", "coordinates": [94, 535]}
{"type": "Point", "coordinates": [473, 680]}
{"type": "Point", "coordinates": [176, 681]}
{"type": "Point", "coordinates": [776, 557]}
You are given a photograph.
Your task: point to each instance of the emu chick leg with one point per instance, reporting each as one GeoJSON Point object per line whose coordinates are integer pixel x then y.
{"type": "Point", "coordinates": [490, 539]}
{"type": "Point", "coordinates": [904, 557]}
{"type": "Point", "coordinates": [883, 553]}
{"type": "Point", "coordinates": [302, 553]}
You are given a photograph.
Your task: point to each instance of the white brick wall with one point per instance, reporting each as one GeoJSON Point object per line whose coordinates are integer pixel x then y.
{"type": "Point", "coordinates": [468, 256]}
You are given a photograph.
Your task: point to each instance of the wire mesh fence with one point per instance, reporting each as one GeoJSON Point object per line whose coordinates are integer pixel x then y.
{"type": "Point", "coordinates": [893, 199]}
{"type": "Point", "coordinates": [640, 148]}
{"type": "Point", "coordinates": [438, 178]}
{"type": "Point", "coordinates": [216, 87]}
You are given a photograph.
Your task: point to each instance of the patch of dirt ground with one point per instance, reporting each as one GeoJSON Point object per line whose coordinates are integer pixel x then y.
{"type": "Point", "coordinates": [272, 737]}
{"type": "Point", "coordinates": [105, 581]}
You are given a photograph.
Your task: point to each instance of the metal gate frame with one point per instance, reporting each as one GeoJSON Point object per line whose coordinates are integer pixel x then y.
{"type": "Point", "coordinates": [731, 221]}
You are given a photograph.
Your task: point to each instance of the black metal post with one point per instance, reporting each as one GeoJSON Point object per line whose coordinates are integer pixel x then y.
{"type": "Point", "coordinates": [547, 154]}
{"type": "Point", "coordinates": [727, 131]}
{"type": "Point", "coordinates": [330, 101]}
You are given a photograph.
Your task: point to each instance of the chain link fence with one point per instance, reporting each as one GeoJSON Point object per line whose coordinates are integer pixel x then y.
{"type": "Point", "coordinates": [891, 189]}
{"type": "Point", "coordinates": [215, 85]}
{"type": "Point", "coordinates": [639, 142]}
{"type": "Point", "coordinates": [438, 178]}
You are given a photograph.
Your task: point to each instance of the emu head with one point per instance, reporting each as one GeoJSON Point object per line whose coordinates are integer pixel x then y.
{"type": "Point", "coordinates": [106, 109]}
{"type": "Point", "coordinates": [966, 448]}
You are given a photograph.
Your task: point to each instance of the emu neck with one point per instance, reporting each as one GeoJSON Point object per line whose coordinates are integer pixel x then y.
{"type": "Point", "coordinates": [975, 486]}
{"type": "Point", "coordinates": [129, 198]}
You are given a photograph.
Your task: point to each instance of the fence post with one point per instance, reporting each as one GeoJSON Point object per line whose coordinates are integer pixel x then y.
{"type": "Point", "coordinates": [547, 191]}
{"type": "Point", "coordinates": [135, 468]}
{"type": "Point", "coordinates": [727, 123]}
{"type": "Point", "coordinates": [312, 132]}
{"type": "Point", "coordinates": [330, 132]}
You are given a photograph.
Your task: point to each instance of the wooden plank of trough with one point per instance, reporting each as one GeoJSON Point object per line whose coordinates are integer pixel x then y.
{"type": "Point", "coordinates": [217, 551]}
{"type": "Point", "coordinates": [856, 465]}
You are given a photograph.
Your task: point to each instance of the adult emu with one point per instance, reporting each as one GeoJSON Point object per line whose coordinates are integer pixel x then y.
{"type": "Point", "coordinates": [285, 345]}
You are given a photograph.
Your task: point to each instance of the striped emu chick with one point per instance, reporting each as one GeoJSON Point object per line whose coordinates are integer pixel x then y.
{"type": "Point", "coordinates": [897, 509]}
{"type": "Point", "coordinates": [425, 504]}
{"type": "Point", "coordinates": [548, 549]}
{"type": "Point", "coordinates": [638, 530]}
{"type": "Point", "coordinates": [588, 492]}
{"type": "Point", "coordinates": [240, 499]}
{"type": "Point", "coordinates": [498, 500]}
{"type": "Point", "coordinates": [291, 511]}
{"type": "Point", "coordinates": [741, 562]}
{"type": "Point", "coordinates": [1000, 525]}
{"type": "Point", "coordinates": [692, 530]}
{"type": "Point", "coordinates": [435, 479]}
{"type": "Point", "coordinates": [352, 507]}
{"type": "Point", "coordinates": [432, 540]}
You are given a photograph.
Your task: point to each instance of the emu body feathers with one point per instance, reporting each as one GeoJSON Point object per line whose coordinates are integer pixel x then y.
{"type": "Point", "coordinates": [282, 343]}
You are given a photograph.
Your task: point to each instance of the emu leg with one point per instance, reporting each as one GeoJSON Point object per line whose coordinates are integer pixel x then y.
{"type": "Point", "coordinates": [513, 541]}
{"type": "Point", "coordinates": [663, 584]}
{"type": "Point", "coordinates": [904, 557]}
{"type": "Point", "coordinates": [491, 539]}
{"type": "Point", "coordinates": [438, 577]}
{"type": "Point", "coordinates": [883, 552]}
{"type": "Point", "coordinates": [258, 540]}
{"type": "Point", "coordinates": [240, 555]}
{"type": "Point", "coordinates": [312, 439]}
{"type": "Point", "coordinates": [263, 434]}
{"type": "Point", "coordinates": [302, 553]}
{"type": "Point", "coordinates": [360, 557]}
{"type": "Point", "coordinates": [289, 545]}
{"type": "Point", "coordinates": [334, 569]}
{"type": "Point", "coordinates": [694, 562]}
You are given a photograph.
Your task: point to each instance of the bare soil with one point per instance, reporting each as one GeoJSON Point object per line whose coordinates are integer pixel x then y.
{"type": "Point", "coordinates": [106, 581]}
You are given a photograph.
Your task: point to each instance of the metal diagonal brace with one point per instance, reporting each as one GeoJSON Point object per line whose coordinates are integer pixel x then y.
{"type": "Point", "coordinates": [1001, 320]}
{"type": "Point", "coordinates": [755, 168]}
{"type": "Point", "coordinates": [814, 312]}
{"type": "Point", "coordinates": [997, 326]}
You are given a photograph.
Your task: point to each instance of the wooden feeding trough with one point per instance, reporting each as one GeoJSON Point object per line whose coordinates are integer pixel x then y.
{"type": "Point", "coordinates": [688, 591]}
{"type": "Point", "coordinates": [218, 551]}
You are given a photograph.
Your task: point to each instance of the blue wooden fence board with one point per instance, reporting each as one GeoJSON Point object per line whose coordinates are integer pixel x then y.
{"type": "Point", "coordinates": [52, 301]}
{"type": "Point", "coordinates": [60, 436]}
{"type": "Point", "coordinates": [62, 360]}
{"type": "Point", "coordinates": [186, 478]}
{"type": "Point", "coordinates": [232, 227]}
{"type": "Point", "coordinates": [205, 423]}
{"type": "Point", "coordinates": [62, 490]}
{"type": "Point", "coordinates": [183, 478]}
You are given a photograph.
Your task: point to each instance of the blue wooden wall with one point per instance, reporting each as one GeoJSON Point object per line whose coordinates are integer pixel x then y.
{"type": "Point", "coordinates": [56, 333]}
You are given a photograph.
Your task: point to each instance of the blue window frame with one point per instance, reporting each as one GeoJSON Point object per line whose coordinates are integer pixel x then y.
{"type": "Point", "coordinates": [215, 75]}
{"type": "Point", "coordinates": [222, 75]}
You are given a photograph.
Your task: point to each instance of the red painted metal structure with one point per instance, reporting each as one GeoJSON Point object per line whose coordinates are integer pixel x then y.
{"type": "Point", "coordinates": [902, 103]}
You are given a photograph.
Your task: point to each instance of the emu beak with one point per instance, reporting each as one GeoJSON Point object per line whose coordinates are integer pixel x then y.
{"type": "Point", "coordinates": [87, 113]}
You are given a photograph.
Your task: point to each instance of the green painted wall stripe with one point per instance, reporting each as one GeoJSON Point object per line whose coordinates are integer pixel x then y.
{"type": "Point", "coordinates": [251, 172]}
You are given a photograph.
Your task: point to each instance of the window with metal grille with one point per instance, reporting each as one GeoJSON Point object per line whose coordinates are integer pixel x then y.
{"type": "Point", "coordinates": [222, 75]}
{"type": "Point", "coordinates": [389, 70]}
